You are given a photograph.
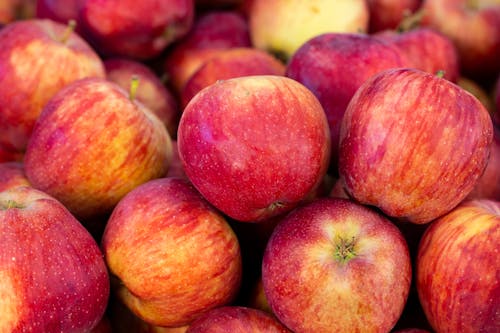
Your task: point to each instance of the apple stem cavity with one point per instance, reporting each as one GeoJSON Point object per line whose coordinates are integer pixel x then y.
{"type": "Point", "coordinates": [5, 205]}
{"type": "Point", "coordinates": [345, 249]}
{"type": "Point", "coordinates": [69, 30]}
{"type": "Point", "coordinates": [134, 85]}
{"type": "Point", "coordinates": [440, 73]}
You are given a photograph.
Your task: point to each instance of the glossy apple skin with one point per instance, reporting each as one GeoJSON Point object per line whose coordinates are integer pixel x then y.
{"type": "Point", "coordinates": [34, 66]}
{"type": "Point", "coordinates": [135, 29]}
{"type": "Point", "coordinates": [457, 269]}
{"type": "Point", "coordinates": [254, 146]}
{"type": "Point", "coordinates": [277, 26]}
{"type": "Point", "coordinates": [236, 319]}
{"type": "Point", "coordinates": [151, 91]}
{"type": "Point", "coordinates": [212, 32]}
{"type": "Point", "coordinates": [91, 145]}
{"type": "Point", "coordinates": [228, 64]}
{"type": "Point", "coordinates": [12, 175]}
{"type": "Point", "coordinates": [333, 66]}
{"type": "Point", "coordinates": [54, 278]}
{"type": "Point", "coordinates": [426, 49]}
{"type": "Point", "coordinates": [165, 234]}
{"type": "Point", "coordinates": [413, 144]}
{"type": "Point", "coordinates": [388, 14]}
{"type": "Point", "coordinates": [479, 48]}
{"type": "Point", "coordinates": [310, 290]}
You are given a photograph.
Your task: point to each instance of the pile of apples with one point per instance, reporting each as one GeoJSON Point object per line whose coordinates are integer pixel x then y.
{"type": "Point", "coordinates": [250, 166]}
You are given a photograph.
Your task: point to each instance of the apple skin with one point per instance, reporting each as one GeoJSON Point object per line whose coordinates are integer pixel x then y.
{"type": "Point", "coordinates": [174, 255]}
{"type": "Point", "coordinates": [488, 185]}
{"type": "Point", "coordinates": [151, 91]}
{"type": "Point", "coordinates": [411, 330]}
{"type": "Point", "coordinates": [278, 26]}
{"type": "Point", "coordinates": [54, 278]}
{"type": "Point", "coordinates": [231, 63]}
{"type": "Point", "coordinates": [175, 168]}
{"type": "Point", "coordinates": [413, 144]}
{"type": "Point", "coordinates": [212, 32]}
{"type": "Point", "coordinates": [333, 66]}
{"type": "Point", "coordinates": [388, 14]}
{"type": "Point", "coordinates": [35, 64]}
{"type": "Point", "coordinates": [10, 156]}
{"type": "Point", "coordinates": [426, 49]}
{"type": "Point", "coordinates": [61, 11]}
{"type": "Point", "coordinates": [336, 266]}
{"type": "Point", "coordinates": [138, 30]}
{"type": "Point", "coordinates": [479, 48]}
{"type": "Point", "coordinates": [91, 145]}
{"type": "Point", "coordinates": [12, 175]}
{"type": "Point", "coordinates": [496, 97]}
{"type": "Point", "coordinates": [236, 319]}
{"type": "Point", "coordinates": [254, 146]}
{"type": "Point", "coordinates": [479, 92]}
{"type": "Point", "coordinates": [457, 269]}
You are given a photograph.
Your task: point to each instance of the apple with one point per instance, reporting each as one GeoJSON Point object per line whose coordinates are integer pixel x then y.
{"type": "Point", "coordinates": [92, 144]}
{"type": "Point", "coordinates": [411, 330]}
{"type": "Point", "coordinates": [236, 319]}
{"type": "Point", "coordinates": [174, 256]}
{"type": "Point", "coordinates": [254, 146]}
{"type": "Point", "coordinates": [53, 275]}
{"type": "Point", "coordinates": [212, 32]}
{"type": "Point", "coordinates": [135, 29]}
{"type": "Point", "coordinates": [12, 175]}
{"type": "Point", "coordinates": [231, 63]}
{"type": "Point", "coordinates": [413, 144]}
{"type": "Point", "coordinates": [175, 168]}
{"type": "Point", "coordinates": [488, 185]}
{"type": "Point", "coordinates": [388, 14]}
{"type": "Point", "coordinates": [61, 11]}
{"type": "Point", "coordinates": [257, 298]}
{"type": "Point", "coordinates": [37, 59]}
{"type": "Point", "coordinates": [8, 9]}
{"type": "Point", "coordinates": [282, 26]}
{"type": "Point", "coordinates": [496, 96]}
{"type": "Point", "coordinates": [457, 269]}
{"type": "Point", "coordinates": [474, 27]}
{"type": "Point", "coordinates": [336, 266]}
{"type": "Point", "coordinates": [151, 91]}
{"type": "Point", "coordinates": [10, 155]}
{"type": "Point", "coordinates": [425, 49]}
{"type": "Point", "coordinates": [333, 66]}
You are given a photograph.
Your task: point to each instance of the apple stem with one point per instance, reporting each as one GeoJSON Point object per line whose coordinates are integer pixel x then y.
{"type": "Point", "coordinates": [440, 73]}
{"type": "Point", "coordinates": [344, 250]}
{"type": "Point", "coordinates": [69, 30]}
{"type": "Point", "coordinates": [134, 85]}
{"type": "Point", "coordinates": [4, 205]}
{"type": "Point", "coordinates": [410, 21]}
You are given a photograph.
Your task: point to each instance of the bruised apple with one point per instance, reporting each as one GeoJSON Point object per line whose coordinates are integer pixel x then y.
{"type": "Point", "coordinates": [254, 146]}
{"type": "Point", "coordinates": [413, 144]}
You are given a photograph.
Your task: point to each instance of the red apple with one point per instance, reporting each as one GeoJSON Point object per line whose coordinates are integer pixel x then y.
{"type": "Point", "coordinates": [457, 269]}
{"type": "Point", "coordinates": [212, 32]}
{"type": "Point", "coordinates": [135, 29]}
{"type": "Point", "coordinates": [336, 266]}
{"type": "Point", "coordinates": [478, 91]}
{"type": "Point", "coordinates": [426, 49]}
{"type": "Point", "coordinates": [496, 96]}
{"type": "Point", "coordinates": [10, 155]}
{"type": "Point", "coordinates": [411, 330]}
{"type": "Point", "coordinates": [388, 14]}
{"type": "Point", "coordinates": [231, 63]}
{"type": "Point", "coordinates": [236, 319]}
{"type": "Point", "coordinates": [58, 10]}
{"type": "Point", "coordinates": [174, 255]}
{"type": "Point", "coordinates": [474, 27]}
{"type": "Point", "coordinates": [92, 144]}
{"type": "Point", "coordinates": [282, 26]}
{"type": "Point", "coordinates": [413, 144]}
{"type": "Point", "coordinates": [151, 91]}
{"type": "Point", "coordinates": [254, 146]}
{"type": "Point", "coordinates": [37, 59]}
{"type": "Point", "coordinates": [12, 175]}
{"type": "Point", "coordinates": [53, 275]}
{"type": "Point", "coordinates": [333, 66]}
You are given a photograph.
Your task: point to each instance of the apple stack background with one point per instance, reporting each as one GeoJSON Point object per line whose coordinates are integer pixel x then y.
{"type": "Point", "coordinates": [249, 166]}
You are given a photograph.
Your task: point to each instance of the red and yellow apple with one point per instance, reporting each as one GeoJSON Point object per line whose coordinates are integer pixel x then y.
{"type": "Point", "coordinates": [254, 146]}
{"type": "Point", "coordinates": [413, 144]}
{"type": "Point", "coordinates": [174, 256]}
{"type": "Point", "coordinates": [336, 266]}
{"type": "Point", "coordinates": [92, 144]}
{"type": "Point", "coordinates": [457, 269]}
{"type": "Point", "coordinates": [54, 278]}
